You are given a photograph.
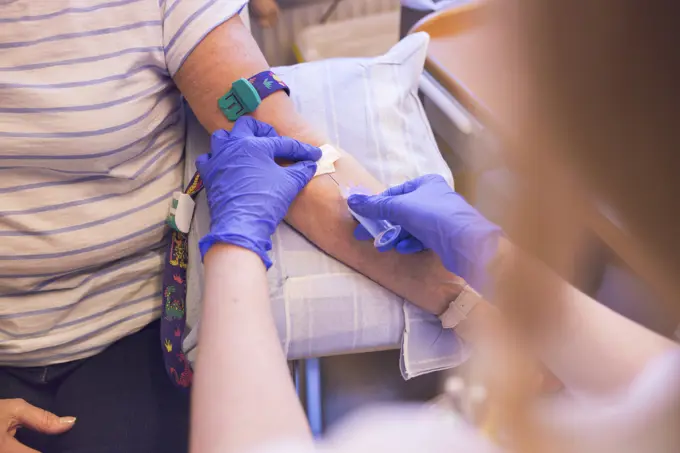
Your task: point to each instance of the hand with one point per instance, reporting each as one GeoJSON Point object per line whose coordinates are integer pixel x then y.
{"type": "Point", "coordinates": [16, 413]}
{"type": "Point", "coordinates": [440, 219]}
{"type": "Point", "coordinates": [248, 192]}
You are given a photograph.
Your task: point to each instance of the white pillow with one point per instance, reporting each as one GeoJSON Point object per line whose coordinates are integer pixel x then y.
{"type": "Point", "coordinates": [370, 108]}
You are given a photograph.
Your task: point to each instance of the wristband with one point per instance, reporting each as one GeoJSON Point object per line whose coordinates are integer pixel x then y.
{"type": "Point", "coordinates": [459, 308]}
{"type": "Point", "coordinates": [247, 94]}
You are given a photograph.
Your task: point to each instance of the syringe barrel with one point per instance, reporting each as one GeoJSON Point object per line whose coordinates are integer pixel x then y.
{"type": "Point", "coordinates": [384, 232]}
{"type": "Point", "coordinates": [374, 227]}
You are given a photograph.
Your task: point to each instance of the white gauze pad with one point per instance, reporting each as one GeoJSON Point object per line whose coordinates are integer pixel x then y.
{"type": "Point", "coordinates": [328, 157]}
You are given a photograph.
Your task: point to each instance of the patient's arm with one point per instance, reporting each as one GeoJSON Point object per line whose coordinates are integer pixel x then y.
{"type": "Point", "coordinates": [229, 53]}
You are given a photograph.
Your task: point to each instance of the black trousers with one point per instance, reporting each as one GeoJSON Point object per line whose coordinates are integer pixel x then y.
{"type": "Point", "coordinates": [123, 399]}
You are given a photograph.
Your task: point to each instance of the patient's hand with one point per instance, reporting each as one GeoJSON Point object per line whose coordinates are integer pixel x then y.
{"type": "Point", "coordinates": [17, 413]}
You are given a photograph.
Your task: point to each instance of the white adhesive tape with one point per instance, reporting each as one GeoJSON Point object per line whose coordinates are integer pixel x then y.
{"type": "Point", "coordinates": [329, 155]}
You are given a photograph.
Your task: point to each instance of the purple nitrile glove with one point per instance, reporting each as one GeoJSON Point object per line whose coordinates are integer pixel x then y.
{"type": "Point", "coordinates": [248, 192]}
{"type": "Point", "coordinates": [437, 218]}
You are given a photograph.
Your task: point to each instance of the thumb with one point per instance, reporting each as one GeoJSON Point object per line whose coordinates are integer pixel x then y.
{"type": "Point", "coordinates": [218, 141]}
{"type": "Point", "coordinates": [40, 420]}
{"type": "Point", "coordinates": [371, 206]}
{"type": "Point", "coordinates": [201, 162]}
{"type": "Point", "coordinates": [303, 172]}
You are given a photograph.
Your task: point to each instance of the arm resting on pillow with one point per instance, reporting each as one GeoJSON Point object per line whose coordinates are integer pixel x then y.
{"type": "Point", "coordinates": [228, 53]}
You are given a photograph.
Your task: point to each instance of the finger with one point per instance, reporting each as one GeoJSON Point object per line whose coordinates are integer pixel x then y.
{"type": "Point", "coordinates": [201, 161]}
{"type": "Point", "coordinates": [12, 445]}
{"type": "Point", "coordinates": [302, 172]}
{"type": "Point", "coordinates": [409, 245]}
{"type": "Point", "coordinates": [401, 189]}
{"type": "Point", "coordinates": [247, 126]}
{"type": "Point", "coordinates": [218, 140]}
{"type": "Point", "coordinates": [293, 150]}
{"type": "Point", "coordinates": [362, 234]}
{"type": "Point", "coordinates": [40, 420]}
{"type": "Point", "coordinates": [371, 206]}
{"type": "Point", "coordinates": [413, 184]}
{"type": "Point", "coordinates": [261, 129]}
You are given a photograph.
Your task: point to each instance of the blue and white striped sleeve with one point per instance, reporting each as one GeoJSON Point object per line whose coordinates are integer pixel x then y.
{"type": "Point", "coordinates": [187, 22]}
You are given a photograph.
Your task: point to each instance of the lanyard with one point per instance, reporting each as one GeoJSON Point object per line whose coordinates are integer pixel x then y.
{"type": "Point", "coordinates": [174, 317]}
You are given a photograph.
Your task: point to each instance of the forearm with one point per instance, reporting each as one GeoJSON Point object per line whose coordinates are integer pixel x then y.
{"type": "Point", "coordinates": [243, 393]}
{"type": "Point", "coordinates": [225, 55]}
{"type": "Point", "coordinates": [319, 213]}
{"type": "Point", "coordinates": [587, 346]}
{"type": "Point", "coordinates": [596, 350]}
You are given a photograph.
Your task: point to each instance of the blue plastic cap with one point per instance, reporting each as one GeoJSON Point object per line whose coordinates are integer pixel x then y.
{"type": "Point", "coordinates": [241, 99]}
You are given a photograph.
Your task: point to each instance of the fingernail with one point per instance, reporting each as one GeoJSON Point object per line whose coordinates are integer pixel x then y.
{"type": "Point", "coordinates": [67, 420]}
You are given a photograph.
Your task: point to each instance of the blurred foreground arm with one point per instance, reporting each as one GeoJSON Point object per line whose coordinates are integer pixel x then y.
{"type": "Point", "coordinates": [589, 347]}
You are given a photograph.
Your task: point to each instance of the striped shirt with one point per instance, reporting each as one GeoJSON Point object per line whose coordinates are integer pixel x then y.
{"type": "Point", "coordinates": [91, 149]}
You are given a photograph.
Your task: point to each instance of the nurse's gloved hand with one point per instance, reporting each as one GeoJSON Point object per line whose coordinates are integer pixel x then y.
{"type": "Point", "coordinates": [440, 219]}
{"type": "Point", "coordinates": [248, 192]}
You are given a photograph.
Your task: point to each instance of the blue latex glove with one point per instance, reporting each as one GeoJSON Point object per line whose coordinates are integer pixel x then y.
{"type": "Point", "coordinates": [248, 192]}
{"type": "Point", "coordinates": [436, 218]}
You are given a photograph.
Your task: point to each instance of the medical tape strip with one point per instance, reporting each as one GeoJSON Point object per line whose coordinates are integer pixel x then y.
{"type": "Point", "coordinates": [460, 308]}
{"type": "Point", "coordinates": [329, 155]}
